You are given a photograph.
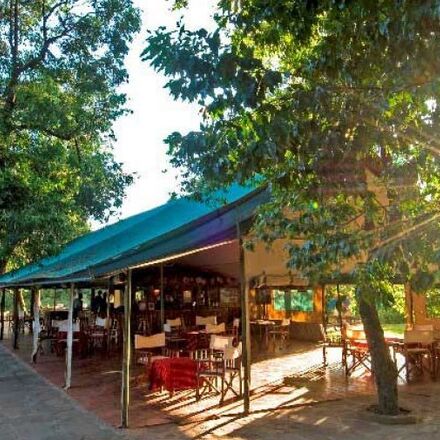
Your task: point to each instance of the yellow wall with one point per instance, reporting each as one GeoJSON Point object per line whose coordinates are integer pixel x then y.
{"type": "Point", "coordinates": [417, 302]}
{"type": "Point", "coordinates": [268, 266]}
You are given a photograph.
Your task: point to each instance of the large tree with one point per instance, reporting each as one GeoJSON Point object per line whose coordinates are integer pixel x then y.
{"type": "Point", "coordinates": [61, 63]}
{"type": "Point", "coordinates": [333, 104]}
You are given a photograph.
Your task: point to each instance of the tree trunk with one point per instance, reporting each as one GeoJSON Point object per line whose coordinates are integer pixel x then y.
{"type": "Point", "coordinates": [21, 301]}
{"type": "Point", "coordinates": [384, 369]}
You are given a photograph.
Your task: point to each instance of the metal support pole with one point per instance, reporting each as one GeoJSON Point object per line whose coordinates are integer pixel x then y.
{"type": "Point", "coordinates": [2, 314]}
{"type": "Point", "coordinates": [35, 323]}
{"type": "Point", "coordinates": [245, 326]}
{"type": "Point", "coordinates": [68, 377]}
{"type": "Point", "coordinates": [16, 323]}
{"type": "Point", "coordinates": [125, 386]}
{"type": "Point", "coordinates": [162, 305]}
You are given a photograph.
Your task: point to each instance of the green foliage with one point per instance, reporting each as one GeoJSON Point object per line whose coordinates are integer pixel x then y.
{"type": "Point", "coordinates": [293, 300]}
{"type": "Point", "coordinates": [61, 63]}
{"type": "Point", "coordinates": [333, 105]}
{"type": "Point", "coordinates": [433, 302]}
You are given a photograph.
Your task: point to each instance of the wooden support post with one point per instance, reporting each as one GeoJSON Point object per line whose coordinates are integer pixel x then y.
{"type": "Point", "coordinates": [162, 299]}
{"type": "Point", "coordinates": [16, 318]}
{"type": "Point", "coordinates": [54, 298]}
{"type": "Point", "coordinates": [2, 314]}
{"type": "Point", "coordinates": [92, 297]}
{"type": "Point", "coordinates": [35, 323]}
{"type": "Point", "coordinates": [68, 375]}
{"type": "Point", "coordinates": [245, 326]}
{"type": "Point", "coordinates": [339, 302]}
{"type": "Point", "coordinates": [125, 386]}
{"type": "Point", "coordinates": [110, 291]}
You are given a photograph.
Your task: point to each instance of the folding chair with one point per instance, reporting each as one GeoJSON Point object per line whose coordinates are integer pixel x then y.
{"type": "Point", "coordinates": [173, 329]}
{"type": "Point", "coordinates": [145, 347]}
{"type": "Point", "coordinates": [222, 361]}
{"type": "Point", "coordinates": [234, 330]}
{"type": "Point", "coordinates": [418, 352]}
{"type": "Point", "coordinates": [98, 335]}
{"type": "Point", "coordinates": [280, 333]}
{"type": "Point", "coordinates": [355, 348]}
{"type": "Point", "coordinates": [215, 329]}
{"type": "Point", "coordinates": [201, 321]}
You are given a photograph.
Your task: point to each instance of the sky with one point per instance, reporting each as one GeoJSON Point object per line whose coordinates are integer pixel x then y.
{"type": "Point", "coordinates": [140, 135]}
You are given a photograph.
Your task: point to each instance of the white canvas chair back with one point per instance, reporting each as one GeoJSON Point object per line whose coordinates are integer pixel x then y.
{"type": "Point", "coordinates": [100, 322]}
{"type": "Point", "coordinates": [154, 341]}
{"type": "Point", "coordinates": [423, 327]}
{"type": "Point", "coordinates": [167, 328]}
{"type": "Point", "coordinates": [64, 326]}
{"type": "Point", "coordinates": [285, 322]}
{"type": "Point", "coordinates": [355, 332]}
{"type": "Point", "coordinates": [174, 322]}
{"type": "Point", "coordinates": [215, 329]}
{"type": "Point", "coordinates": [56, 323]}
{"type": "Point", "coordinates": [217, 342]}
{"type": "Point", "coordinates": [232, 353]}
{"type": "Point", "coordinates": [418, 337]}
{"type": "Point", "coordinates": [236, 323]}
{"type": "Point", "coordinates": [201, 320]}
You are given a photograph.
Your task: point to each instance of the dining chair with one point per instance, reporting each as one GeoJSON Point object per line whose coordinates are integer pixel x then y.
{"type": "Point", "coordinates": [97, 335]}
{"type": "Point", "coordinates": [215, 328]}
{"type": "Point", "coordinates": [418, 351]}
{"type": "Point", "coordinates": [149, 348]}
{"type": "Point", "coordinates": [174, 324]}
{"type": "Point", "coordinates": [234, 329]}
{"type": "Point", "coordinates": [202, 320]}
{"type": "Point", "coordinates": [280, 333]}
{"type": "Point", "coordinates": [221, 362]}
{"type": "Point", "coordinates": [355, 350]}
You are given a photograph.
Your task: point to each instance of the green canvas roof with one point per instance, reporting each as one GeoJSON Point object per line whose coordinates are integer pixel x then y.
{"type": "Point", "coordinates": [177, 226]}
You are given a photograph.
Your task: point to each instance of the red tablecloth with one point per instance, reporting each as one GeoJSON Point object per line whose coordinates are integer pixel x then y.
{"type": "Point", "coordinates": [173, 374]}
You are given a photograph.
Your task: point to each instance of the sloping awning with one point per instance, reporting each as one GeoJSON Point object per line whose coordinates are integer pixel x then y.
{"type": "Point", "coordinates": [180, 226]}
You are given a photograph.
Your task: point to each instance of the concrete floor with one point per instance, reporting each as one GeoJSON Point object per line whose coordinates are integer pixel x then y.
{"type": "Point", "coordinates": [293, 398]}
{"type": "Point", "coordinates": [33, 409]}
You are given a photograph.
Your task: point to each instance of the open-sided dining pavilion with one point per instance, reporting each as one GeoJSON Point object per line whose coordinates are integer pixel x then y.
{"type": "Point", "coordinates": [183, 260]}
{"type": "Point", "coordinates": [194, 234]}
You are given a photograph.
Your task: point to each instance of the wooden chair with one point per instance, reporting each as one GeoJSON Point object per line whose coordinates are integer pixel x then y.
{"type": "Point", "coordinates": [234, 329]}
{"type": "Point", "coordinates": [173, 329]}
{"type": "Point", "coordinates": [145, 348]}
{"type": "Point", "coordinates": [114, 334]}
{"type": "Point", "coordinates": [97, 335]}
{"type": "Point", "coordinates": [221, 362]}
{"type": "Point", "coordinates": [355, 351]}
{"type": "Point", "coordinates": [280, 333]}
{"type": "Point", "coordinates": [422, 327]}
{"type": "Point", "coordinates": [326, 341]}
{"type": "Point", "coordinates": [215, 329]}
{"type": "Point", "coordinates": [418, 351]}
{"type": "Point", "coordinates": [175, 325]}
{"type": "Point", "coordinates": [202, 321]}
